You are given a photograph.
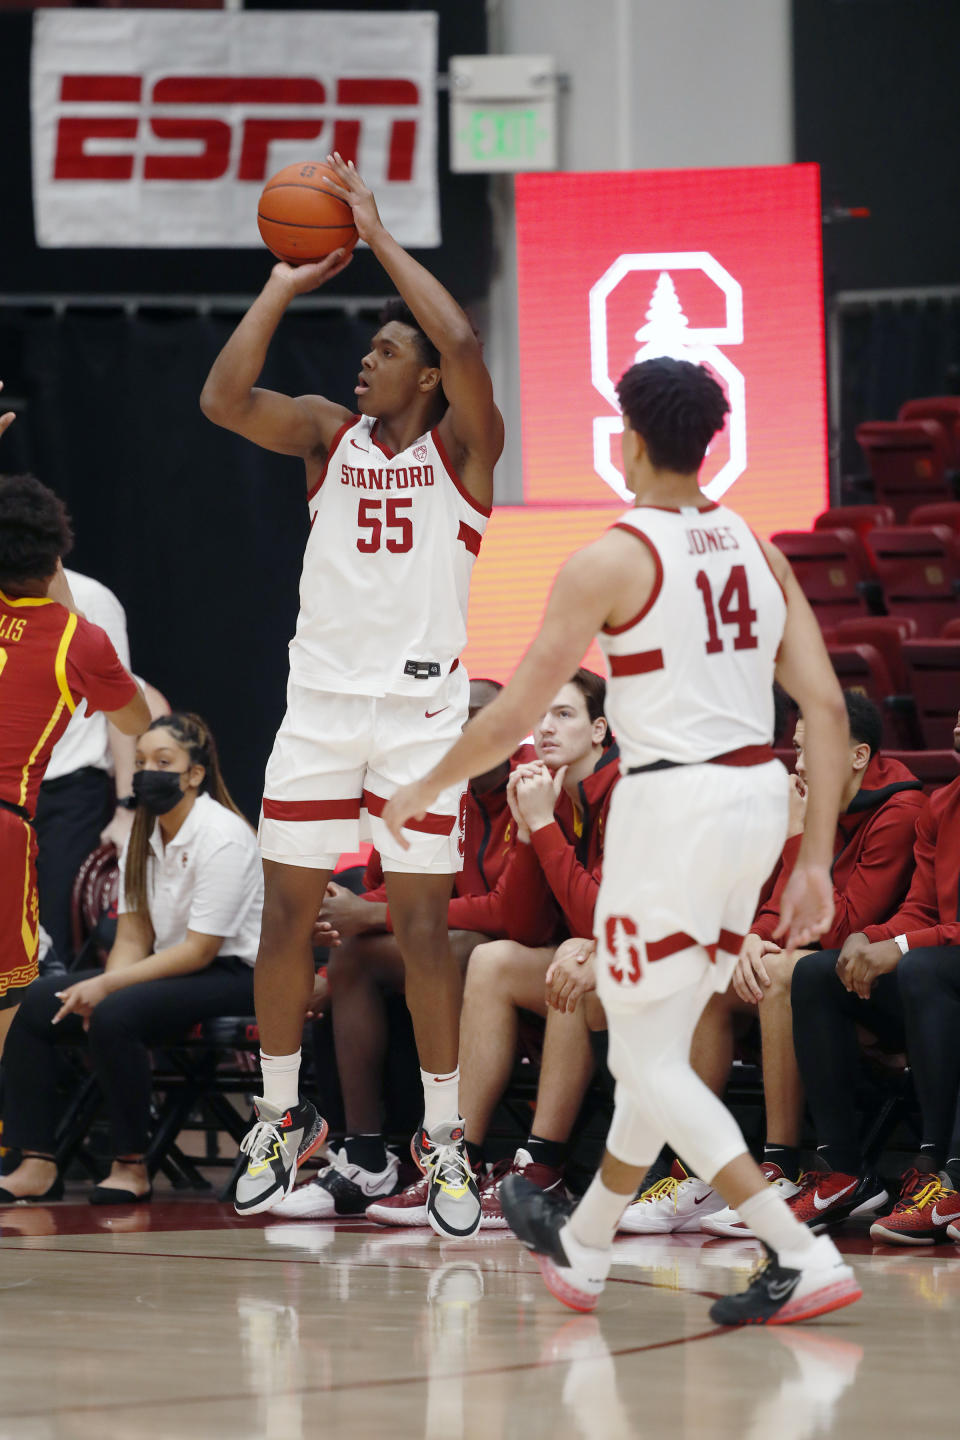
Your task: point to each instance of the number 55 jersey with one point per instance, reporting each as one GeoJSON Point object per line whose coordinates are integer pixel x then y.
{"type": "Point", "coordinates": [691, 675]}
{"type": "Point", "coordinates": [386, 571]}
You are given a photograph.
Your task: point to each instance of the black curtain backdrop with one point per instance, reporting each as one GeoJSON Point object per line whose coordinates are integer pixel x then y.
{"type": "Point", "coordinates": [198, 532]}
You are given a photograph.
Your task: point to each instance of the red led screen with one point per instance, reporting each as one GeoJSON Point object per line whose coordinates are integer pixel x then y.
{"type": "Point", "coordinates": [719, 266]}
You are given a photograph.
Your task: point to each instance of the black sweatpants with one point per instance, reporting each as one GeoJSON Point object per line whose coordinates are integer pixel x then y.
{"type": "Point", "coordinates": [71, 814]}
{"type": "Point", "coordinates": [825, 1020]}
{"type": "Point", "coordinates": [122, 1027]}
{"type": "Point", "coordinates": [929, 982]}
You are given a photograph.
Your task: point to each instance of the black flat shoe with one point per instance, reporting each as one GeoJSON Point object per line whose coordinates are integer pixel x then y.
{"type": "Point", "coordinates": [109, 1195]}
{"type": "Point", "coordinates": [55, 1192]}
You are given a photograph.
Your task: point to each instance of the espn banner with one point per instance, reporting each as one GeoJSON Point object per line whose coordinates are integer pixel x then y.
{"type": "Point", "coordinates": [159, 128]}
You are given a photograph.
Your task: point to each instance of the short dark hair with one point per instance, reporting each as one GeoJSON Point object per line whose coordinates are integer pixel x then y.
{"type": "Point", "coordinates": [34, 529]}
{"type": "Point", "coordinates": [593, 688]}
{"type": "Point", "coordinates": [866, 722]}
{"type": "Point", "coordinates": [677, 407]}
{"type": "Point", "coordinates": [399, 310]}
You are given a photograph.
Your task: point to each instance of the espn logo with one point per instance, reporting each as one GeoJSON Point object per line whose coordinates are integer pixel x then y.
{"type": "Point", "coordinates": [226, 124]}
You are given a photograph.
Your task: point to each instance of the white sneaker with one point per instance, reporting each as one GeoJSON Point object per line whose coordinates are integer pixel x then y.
{"type": "Point", "coordinates": [727, 1222]}
{"type": "Point", "coordinates": [340, 1189]}
{"type": "Point", "coordinates": [670, 1205]}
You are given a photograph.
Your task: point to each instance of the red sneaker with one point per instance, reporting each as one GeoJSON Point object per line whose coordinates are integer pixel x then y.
{"type": "Point", "coordinates": [545, 1177]}
{"type": "Point", "coordinates": [826, 1199]}
{"type": "Point", "coordinates": [408, 1208]}
{"type": "Point", "coordinates": [922, 1214]}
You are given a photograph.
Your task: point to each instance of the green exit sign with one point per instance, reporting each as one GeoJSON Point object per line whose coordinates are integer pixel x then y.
{"type": "Point", "coordinates": [507, 137]}
{"type": "Point", "coordinates": [503, 113]}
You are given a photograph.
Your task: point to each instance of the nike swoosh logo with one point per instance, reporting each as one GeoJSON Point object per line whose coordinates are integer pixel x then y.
{"type": "Point", "coordinates": [939, 1219]}
{"type": "Point", "coordinates": [701, 1200]}
{"type": "Point", "coordinates": [429, 714]}
{"type": "Point", "coordinates": [358, 446]}
{"type": "Point", "coordinates": [837, 1195]}
{"type": "Point", "coordinates": [780, 1289]}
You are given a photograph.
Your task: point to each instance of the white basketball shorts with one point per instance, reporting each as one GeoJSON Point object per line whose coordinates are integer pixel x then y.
{"type": "Point", "coordinates": [337, 760]}
{"type": "Point", "coordinates": [687, 851]}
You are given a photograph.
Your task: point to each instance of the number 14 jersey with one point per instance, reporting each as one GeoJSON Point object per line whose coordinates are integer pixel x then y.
{"type": "Point", "coordinates": [691, 676]}
{"type": "Point", "coordinates": [386, 571]}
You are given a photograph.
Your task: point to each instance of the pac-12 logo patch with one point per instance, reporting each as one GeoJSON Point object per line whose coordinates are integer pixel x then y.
{"type": "Point", "coordinates": [420, 451]}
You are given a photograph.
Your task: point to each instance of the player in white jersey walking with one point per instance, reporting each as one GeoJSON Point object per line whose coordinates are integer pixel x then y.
{"type": "Point", "coordinates": [695, 615]}
{"type": "Point", "coordinates": [399, 496]}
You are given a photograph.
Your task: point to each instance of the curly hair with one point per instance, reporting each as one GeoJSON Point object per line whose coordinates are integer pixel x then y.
{"type": "Point", "coordinates": [677, 407]}
{"type": "Point", "coordinates": [34, 530]}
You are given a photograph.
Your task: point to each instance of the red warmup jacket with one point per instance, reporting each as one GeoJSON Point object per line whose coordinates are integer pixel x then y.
{"type": "Point", "coordinates": [930, 915]}
{"type": "Point", "coordinates": [489, 841]}
{"type": "Point", "coordinates": [872, 855]}
{"type": "Point", "coordinates": [561, 865]}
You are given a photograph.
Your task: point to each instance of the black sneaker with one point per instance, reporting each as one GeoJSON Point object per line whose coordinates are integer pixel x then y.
{"type": "Point", "coordinates": [574, 1274]}
{"type": "Point", "coordinates": [779, 1294]}
{"type": "Point", "coordinates": [276, 1144]}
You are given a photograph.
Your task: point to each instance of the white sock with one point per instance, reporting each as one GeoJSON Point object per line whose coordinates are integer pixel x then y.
{"type": "Point", "coordinates": [441, 1099]}
{"type": "Point", "coordinates": [769, 1217]}
{"type": "Point", "coordinates": [281, 1080]}
{"type": "Point", "coordinates": [595, 1220]}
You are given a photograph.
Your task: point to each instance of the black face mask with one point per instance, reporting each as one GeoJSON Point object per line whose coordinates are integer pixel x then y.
{"type": "Point", "coordinates": [157, 790]}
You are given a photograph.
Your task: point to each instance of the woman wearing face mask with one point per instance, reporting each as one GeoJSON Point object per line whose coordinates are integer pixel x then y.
{"type": "Point", "coordinates": [191, 893]}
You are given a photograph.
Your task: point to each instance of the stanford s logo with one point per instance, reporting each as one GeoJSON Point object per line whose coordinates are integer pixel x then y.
{"type": "Point", "coordinates": [625, 957]}
{"type": "Point", "coordinates": [667, 331]}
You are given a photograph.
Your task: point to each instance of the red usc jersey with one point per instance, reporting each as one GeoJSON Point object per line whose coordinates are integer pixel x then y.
{"type": "Point", "coordinates": [50, 660]}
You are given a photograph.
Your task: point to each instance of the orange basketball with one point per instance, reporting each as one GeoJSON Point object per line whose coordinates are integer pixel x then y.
{"type": "Point", "coordinates": [299, 219]}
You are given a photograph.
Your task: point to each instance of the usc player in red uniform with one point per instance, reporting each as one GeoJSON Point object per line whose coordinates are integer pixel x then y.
{"type": "Point", "coordinates": [50, 660]}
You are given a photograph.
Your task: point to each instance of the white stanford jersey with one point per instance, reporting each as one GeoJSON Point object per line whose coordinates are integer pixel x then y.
{"type": "Point", "coordinates": [386, 571]}
{"type": "Point", "coordinates": [691, 677]}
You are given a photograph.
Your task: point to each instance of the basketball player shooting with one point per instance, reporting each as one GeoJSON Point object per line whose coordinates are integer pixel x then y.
{"type": "Point", "coordinates": [695, 616]}
{"type": "Point", "coordinates": [399, 495]}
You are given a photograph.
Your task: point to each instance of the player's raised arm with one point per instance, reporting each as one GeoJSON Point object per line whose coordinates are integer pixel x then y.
{"type": "Point", "coordinates": [472, 425]}
{"type": "Point", "coordinates": [300, 425]}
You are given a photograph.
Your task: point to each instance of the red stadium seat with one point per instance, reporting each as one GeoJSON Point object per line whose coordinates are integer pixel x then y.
{"type": "Point", "coordinates": [934, 670]}
{"type": "Point", "coordinates": [862, 667]}
{"type": "Point", "coordinates": [944, 512]}
{"type": "Point", "coordinates": [919, 570]}
{"type": "Point", "coordinates": [887, 633]}
{"type": "Point", "coordinates": [933, 767]}
{"type": "Point", "coordinates": [908, 460]}
{"type": "Point", "coordinates": [946, 410]}
{"type": "Point", "coordinates": [861, 518]}
{"type": "Point", "coordinates": [832, 570]}
{"type": "Point", "coordinates": [951, 631]}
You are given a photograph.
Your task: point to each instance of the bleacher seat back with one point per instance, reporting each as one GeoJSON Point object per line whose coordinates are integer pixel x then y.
{"type": "Point", "coordinates": [830, 566]}
{"type": "Point", "coordinates": [945, 409]}
{"type": "Point", "coordinates": [861, 667]}
{"type": "Point", "coordinates": [887, 633]}
{"type": "Point", "coordinates": [934, 670]}
{"type": "Point", "coordinates": [943, 512]}
{"type": "Point", "coordinates": [919, 570]}
{"type": "Point", "coordinates": [860, 518]}
{"type": "Point", "coordinates": [933, 767]}
{"type": "Point", "coordinates": [908, 461]}
{"type": "Point", "coordinates": [93, 898]}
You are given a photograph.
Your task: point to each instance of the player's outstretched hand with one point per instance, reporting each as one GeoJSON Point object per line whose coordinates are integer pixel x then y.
{"type": "Point", "coordinates": [806, 907]}
{"type": "Point", "coordinates": [301, 279]}
{"type": "Point", "coordinates": [6, 420]}
{"type": "Point", "coordinates": [410, 802]}
{"type": "Point", "coordinates": [352, 190]}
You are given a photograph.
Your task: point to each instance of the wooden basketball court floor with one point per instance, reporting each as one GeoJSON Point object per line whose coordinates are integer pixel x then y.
{"type": "Point", "coordinates": [178, 1319]}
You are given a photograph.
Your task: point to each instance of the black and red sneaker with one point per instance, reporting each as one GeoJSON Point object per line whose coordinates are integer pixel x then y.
{"type": "Point", "coordinates": [926, 1208]}
{"type": "Point", "coordinates": [827, 1198]}
{"type": "Point", "coordinates": [545, 1177]}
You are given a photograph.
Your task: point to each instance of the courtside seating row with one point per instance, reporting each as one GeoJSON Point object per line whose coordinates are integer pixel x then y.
{"type": "Point", "coordinates": [887, 598]}
{"type": "Point", "coordinates": [915, 459]}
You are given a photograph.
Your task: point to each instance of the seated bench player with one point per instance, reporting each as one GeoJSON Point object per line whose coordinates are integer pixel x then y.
{"type": "Point", "coordinates": [560, 805]}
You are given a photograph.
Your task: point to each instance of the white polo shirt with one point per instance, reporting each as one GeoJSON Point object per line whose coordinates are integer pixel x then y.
{"type": "Point", "coordinates": [208, 878]}
{"type": "Point", "coordinates": [86, 741]}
